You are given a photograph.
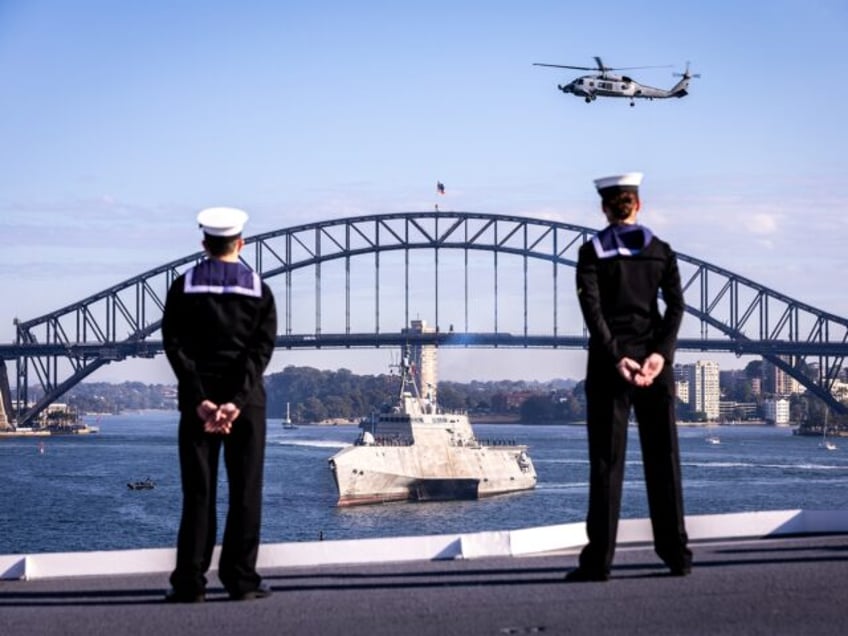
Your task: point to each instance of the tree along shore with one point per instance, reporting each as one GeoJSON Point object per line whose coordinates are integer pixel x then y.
{"type": "Point", "coordinates": [314, 395]}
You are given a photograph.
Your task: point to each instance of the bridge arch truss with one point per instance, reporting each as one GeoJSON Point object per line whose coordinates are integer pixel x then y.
{"type": "Point", "coordinates": [484, 280]}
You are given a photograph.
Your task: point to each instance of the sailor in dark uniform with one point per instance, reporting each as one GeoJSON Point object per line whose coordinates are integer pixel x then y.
{"type": "Point", "coordinates": [219, 329]}
{"type": "Point", "coordinates": [631, 352]}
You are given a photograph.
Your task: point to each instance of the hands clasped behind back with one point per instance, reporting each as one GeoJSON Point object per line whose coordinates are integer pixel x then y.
{"type": "Point", "coordinates": [641, 375]}
{"type": "Point", "coordinates": [217, 420]}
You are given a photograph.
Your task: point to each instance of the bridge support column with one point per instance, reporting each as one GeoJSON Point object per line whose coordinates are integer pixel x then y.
{"type": "Point", "coordinates": [5, 398]}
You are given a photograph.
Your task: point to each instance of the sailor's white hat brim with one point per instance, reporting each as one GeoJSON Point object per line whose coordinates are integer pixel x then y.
{"type": "Point", "coordinates": [629, 180]}
{"type": "Point", "coordinates": [222, 221]}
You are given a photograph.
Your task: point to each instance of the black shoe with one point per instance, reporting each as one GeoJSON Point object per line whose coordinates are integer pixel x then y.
{"type": "Point", "coordinates": [175, 596]}
{"type": "Point", "coordinates": [584, 575]}
{"type": "Point", "coordinates": [684, 570]}
{"type": "Point", "coordinates": [263, 591]}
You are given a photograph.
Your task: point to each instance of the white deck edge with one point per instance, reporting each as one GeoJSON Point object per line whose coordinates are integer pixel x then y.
{"type": "Point", "coordinates": [522, 542]}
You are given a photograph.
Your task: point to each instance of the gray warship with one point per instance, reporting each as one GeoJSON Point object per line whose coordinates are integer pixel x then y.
{"type": "Point", "coordinates": [415, 451]}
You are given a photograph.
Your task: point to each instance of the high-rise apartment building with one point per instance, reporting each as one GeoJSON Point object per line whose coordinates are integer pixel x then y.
{"type": "Point", "coordinates": [704, 390]}
{"type": "Point", "coordinates": [778, 382]}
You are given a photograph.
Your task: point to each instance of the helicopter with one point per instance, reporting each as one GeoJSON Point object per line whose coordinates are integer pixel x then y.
{"type": "Point", "coordinates": [607, 84]}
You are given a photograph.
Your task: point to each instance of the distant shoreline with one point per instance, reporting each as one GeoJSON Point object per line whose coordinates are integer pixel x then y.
{"type": "Point", "coordinates": [495, 419]}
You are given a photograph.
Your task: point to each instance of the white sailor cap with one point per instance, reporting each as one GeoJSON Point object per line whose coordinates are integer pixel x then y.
{"type": "Point", "coordinates": [628, 181]}
{"type": "Point", "coordinates": [222, 221]}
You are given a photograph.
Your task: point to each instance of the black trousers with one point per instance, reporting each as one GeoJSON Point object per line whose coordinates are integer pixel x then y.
{"type": "Point", "coordinates": [609, 401]}
{"type": "Point", "coordinates": [244, 457]}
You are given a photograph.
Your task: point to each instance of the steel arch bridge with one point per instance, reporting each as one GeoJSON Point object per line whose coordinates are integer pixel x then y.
{"type": "Point", "coordinates": [497, 280]}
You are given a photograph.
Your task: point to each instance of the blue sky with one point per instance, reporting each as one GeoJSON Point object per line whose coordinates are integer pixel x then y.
{"type": "Point", "coordinates": [120, 120]}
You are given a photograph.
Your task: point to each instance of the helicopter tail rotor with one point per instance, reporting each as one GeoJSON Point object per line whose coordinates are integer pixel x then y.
{"type": "Point", "coordinates": [686, 74]}
{"type": "Point", "coordinates": [680, 89]}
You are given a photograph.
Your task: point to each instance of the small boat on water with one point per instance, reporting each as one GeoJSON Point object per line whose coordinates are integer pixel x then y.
{"type": "Point", "coordinates": [826, 444]}
{"type": "Point", "coordinates": [415, 451]}
{"type": "Point", "coordinates": [144, 484]}
{"type": "Point", "coordinates": [287, 421]}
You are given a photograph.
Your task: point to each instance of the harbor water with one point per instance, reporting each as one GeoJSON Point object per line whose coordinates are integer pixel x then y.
{"type": "Point", "coordinates": [70, 493]}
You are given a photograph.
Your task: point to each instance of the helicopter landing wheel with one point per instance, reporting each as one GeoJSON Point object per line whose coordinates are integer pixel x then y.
{"type": "Point", "coordinates": [588, 100]}
{"type": "Point", "coordinates": [632, 104]}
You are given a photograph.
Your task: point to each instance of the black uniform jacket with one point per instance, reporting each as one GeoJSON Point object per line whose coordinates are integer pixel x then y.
{"type": "Point", "coordinates": [617, 290]}
{"type": "Point", "coordinates": [219, 328]}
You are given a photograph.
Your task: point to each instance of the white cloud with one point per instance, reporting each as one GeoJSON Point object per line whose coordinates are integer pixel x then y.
{"type": "Point", "coordinates": [761, 223]}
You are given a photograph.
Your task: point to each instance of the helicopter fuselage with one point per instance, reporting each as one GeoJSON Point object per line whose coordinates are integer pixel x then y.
{"type": "Point", "coordinates": [592, 86]}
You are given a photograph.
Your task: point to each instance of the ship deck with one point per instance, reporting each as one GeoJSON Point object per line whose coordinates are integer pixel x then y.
{"type": "Point", "coordinates": [792, 582]}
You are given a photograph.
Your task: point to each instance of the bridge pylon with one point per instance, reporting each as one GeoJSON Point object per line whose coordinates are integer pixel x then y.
{"type": "Point", "coordinates": [5, 398]}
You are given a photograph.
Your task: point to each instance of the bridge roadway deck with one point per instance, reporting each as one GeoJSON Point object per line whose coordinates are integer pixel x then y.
{"type": "Point", "coordinates": [787, 585]}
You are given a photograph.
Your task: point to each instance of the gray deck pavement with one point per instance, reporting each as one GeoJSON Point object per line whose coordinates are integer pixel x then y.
{"type": "Point", "coordinates": [796, 585]}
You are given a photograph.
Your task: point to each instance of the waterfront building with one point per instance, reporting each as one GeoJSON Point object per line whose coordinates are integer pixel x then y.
{"type": "Point", "coordinates": [681, 383]}
{"type": "Point", "coordinates": [704, 390]}
{"type": "Point", "coordinates": [730, 410]}
{"type": "Point", "coordinates": [839, 390]}
{"type": "Point", "coordinates": [777, 381]}
{"type": "Point", "coordinates": [776, 411]}
{"type": "Point", "coordinates": [681, 388]}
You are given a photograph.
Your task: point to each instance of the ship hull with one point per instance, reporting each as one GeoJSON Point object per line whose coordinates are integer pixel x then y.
{"type": "Point", "coordinates": [381, 474]}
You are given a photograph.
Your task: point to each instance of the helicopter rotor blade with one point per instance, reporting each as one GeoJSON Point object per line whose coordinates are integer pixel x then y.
{"type": "Point", "coordinates": [604, 69]}
{"type": "Point", "coordinates": [633, 68]}
{"type": "Point", "coordinates": [601, 67]}
{"type": "Point", "coordinates": [578, 68]}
